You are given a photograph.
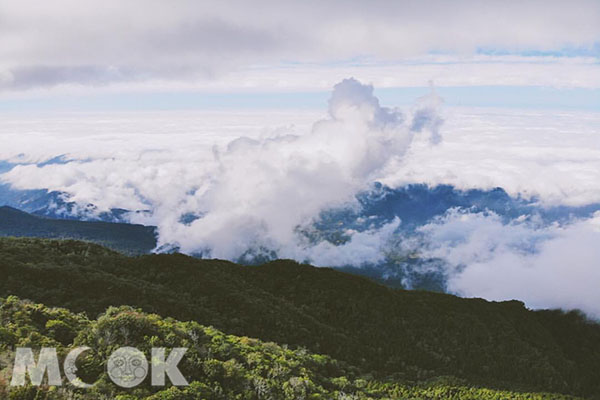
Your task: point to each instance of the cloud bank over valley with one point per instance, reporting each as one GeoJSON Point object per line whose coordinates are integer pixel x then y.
{"type": "Point", "coordinates": [256, 185]}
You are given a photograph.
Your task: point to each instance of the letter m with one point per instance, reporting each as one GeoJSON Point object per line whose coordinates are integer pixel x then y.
{"type": "Point", "coordinates": [25, 364]}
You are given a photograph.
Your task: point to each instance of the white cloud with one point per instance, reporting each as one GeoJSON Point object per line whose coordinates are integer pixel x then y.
{"type": "Point", "coordinates": [544, 266]}
{"type": "Point", "coordinates": [262, 190]}
{"type": "Point", "coordinates": [553, 156]}
{"type": "Point", "coordinates": [256, 176]}
{"type": "Point", "coordinates": [212, 43]}
{"type": "Point", "coordinates": [445, 71]}
{"type": "Point", "coordinates": [252, 191]}
{"type": "Point", "coordinates": [369, 247]}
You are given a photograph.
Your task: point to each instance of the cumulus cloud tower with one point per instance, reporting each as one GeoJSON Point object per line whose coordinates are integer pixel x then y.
{"type": "Point", "coordinates": [263, 190]}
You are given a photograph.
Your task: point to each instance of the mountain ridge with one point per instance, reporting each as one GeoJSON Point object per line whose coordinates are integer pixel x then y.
{"type": "Point", "coordinates": [127, 238]}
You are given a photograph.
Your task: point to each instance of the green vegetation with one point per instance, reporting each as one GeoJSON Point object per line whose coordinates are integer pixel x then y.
{"type": "Point", "coordinates": [217, 366]}
{"type": "Point", "coordinates": [380, 334]}
{"type": "Point", "coordinates": [126, 238]}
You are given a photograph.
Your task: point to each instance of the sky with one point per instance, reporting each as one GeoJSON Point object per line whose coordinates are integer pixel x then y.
{"type": "Point", "coordinates": [256, 116]}
{"type": "Point", "coordinates": [135, 55]}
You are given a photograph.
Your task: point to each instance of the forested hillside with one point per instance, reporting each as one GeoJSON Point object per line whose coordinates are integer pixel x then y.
{"type": "Point", "coordinates": [217, 366]}
{"type": "Point", "coordinates": [397, 334]}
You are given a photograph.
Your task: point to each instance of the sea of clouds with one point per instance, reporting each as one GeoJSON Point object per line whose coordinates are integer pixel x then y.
{"type": "Point", "coordinates": [251, 182]}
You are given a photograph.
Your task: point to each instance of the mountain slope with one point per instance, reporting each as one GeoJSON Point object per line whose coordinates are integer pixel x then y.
{"type": "Point", "coordinates": [130, 239]}
{"type": "Point", "coordinates": [409, 335]}
{"type": "Point", "coordinates": [217, 366]}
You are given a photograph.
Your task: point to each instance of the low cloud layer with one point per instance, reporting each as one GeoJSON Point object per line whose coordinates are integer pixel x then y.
{"type": "Point", "coordinates": [544, 266]}
{"type": "Point", "coordinates": [246, 190]}
{"type": "Point", "coordinates": [548, 155]}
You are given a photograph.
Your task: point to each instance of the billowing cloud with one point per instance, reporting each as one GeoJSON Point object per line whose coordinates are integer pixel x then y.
{"type": "Point", "coordinates": [545, 266]}
{"type": "Point", "coordinates": [262, 190]}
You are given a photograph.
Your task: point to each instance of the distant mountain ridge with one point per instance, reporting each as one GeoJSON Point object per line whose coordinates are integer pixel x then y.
{"type": "Point", "coordinates": [418, 204]}
{"type": "Point", "coordinates": [414, 204]}
{"type": "Point", "coordinates": [127, 238]}
{"type": "Point", "coordinates": [55, 204]}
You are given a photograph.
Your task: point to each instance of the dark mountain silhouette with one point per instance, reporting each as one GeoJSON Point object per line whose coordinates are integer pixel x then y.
{"type": "Point", "coordinates": [127, 238]}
